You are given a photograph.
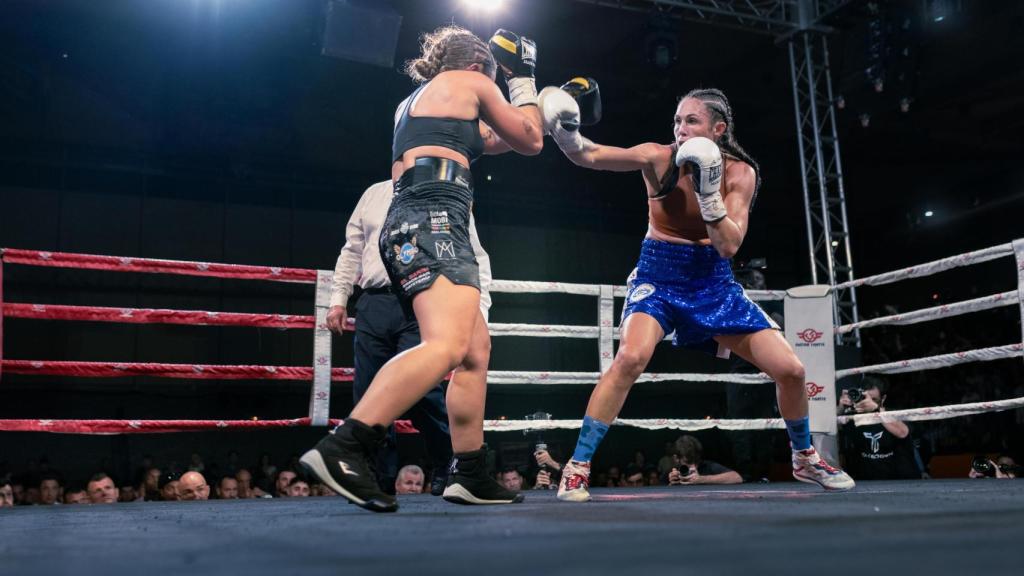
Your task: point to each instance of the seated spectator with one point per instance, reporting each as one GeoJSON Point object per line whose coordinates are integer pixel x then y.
{"type": "Point", "coordinates": [298, 488]}
{"type": "Point", "coordinates": [410, 480]}
{"type": "Point", "coordinates": [31, 495]}
{"type": "Point", "coordinates": [511, 479]}
{"type": "Point", "coordinates": [75, 494]}
{"type": "Point", "coordinates": [127, 494]}
{"type": "Point", "coordinates": [192, 486]}
{"type": "Point", "coordinates": [50, 490]}
{"type": "Point", "coordinates": [652, 477]}
{"type": "Point", "coordinates": [101, 489]}
{"type": "Point", "coordinates": [876, 451]}
{"type": "Point", "coordinates": [633, 477]}
{"type": "Point", "coordinates": [168, 488]}
{"type": "Point", "coordinates": [614, 475]}
{"type": "Point", "coordinates": [1003, 467]}
{"type": "Point", "coordinates": [18, 489]}
{"type": "Point", "coordinates": [149, 488]}
{"type": "Point", "coordinates": [245, 487]}
{"type": "Point", "coordinates": [227, 488]}
{"type": "Point", "coordinates": [281, 483]}
{"type": "Point", "coordinates": [692, 468]}
{"type": "Point", "coordinates": [6, 493]}
{"type": "Point", "coordinates": [668, 461]}
{"type": "Point", "coordinates": [196, 463]}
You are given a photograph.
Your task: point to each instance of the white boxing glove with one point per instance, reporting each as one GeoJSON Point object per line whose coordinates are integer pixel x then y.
{"type": "Point", "coordinates": [705, 160]}
{"type": "Point", "coordinates": [560, 114]}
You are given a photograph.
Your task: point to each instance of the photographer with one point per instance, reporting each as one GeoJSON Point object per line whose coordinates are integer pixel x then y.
{"type": "Point", "coordinates": [876, 451]}
{"type": "Point", "coordinates": [691, 468]}
{"type": "Point", "coordinates": [1003, 467]}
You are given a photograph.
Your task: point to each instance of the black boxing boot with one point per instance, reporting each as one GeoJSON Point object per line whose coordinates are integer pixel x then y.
{"type": "Point", "coordinates": [344, 460]}
{"type": "Point", "coordinates": [469, 482]}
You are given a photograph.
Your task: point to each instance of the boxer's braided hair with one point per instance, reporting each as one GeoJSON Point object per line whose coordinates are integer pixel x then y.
{"type": "Point", "coordinates": [718, 106]}
{"type": "Point", "coordinates": [449, 48]}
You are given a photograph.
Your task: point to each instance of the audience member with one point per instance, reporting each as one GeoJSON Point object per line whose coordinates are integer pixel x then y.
{"type": "Point", "coordinates": [281, 483]}
{"type": "Point", "coordinates": [168, 488]}
{"type": "Point", "coordinates": [511, 479]}
{"type": "Point", "coordinates": [692, 468]}
{"type": "Point", "coordinates": [6, 493]}
{"type": "Point", "coordinates": [1003, 467]}
{"type": "Point", "coordinates": [410, 480]}
{"type": "Point", "coordinates": [101, 489]}
{"type": "Point", "coordinates": [75, 494]}
{"type": "Point", "coordinates": [227, 488]}
{"type": "Point", "coordinates": [149, 487]}
{"type": "Point", "coordinates": [192, 486]}
{"type": "Point", "coordinates": [298, 488]}
{"type": "Point", "coordinates": [876, 451]}
{"type": "Point", "coordinates": [50, 489]}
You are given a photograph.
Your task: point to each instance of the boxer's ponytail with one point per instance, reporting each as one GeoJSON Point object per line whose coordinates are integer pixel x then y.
{"type": "Point", "coordinates": [449, 48]}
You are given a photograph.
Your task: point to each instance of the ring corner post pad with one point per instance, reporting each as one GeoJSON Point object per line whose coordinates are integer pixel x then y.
{"type": "Point", "coordinates": [809, 330]}
{"type": "Point", "coordinates": [320, 395]}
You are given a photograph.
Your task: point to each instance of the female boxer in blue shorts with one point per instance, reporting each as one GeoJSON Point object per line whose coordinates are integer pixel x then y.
{"type": "Point", "coordinates": [424, 244]}
{"type": "Point", "coordinates": [683, 282]}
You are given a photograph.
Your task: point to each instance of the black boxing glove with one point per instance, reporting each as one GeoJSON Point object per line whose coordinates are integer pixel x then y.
{"type": "Point", "coordinates": [516, 56]}
{"type": "Point", "coordinates": [588, 95]}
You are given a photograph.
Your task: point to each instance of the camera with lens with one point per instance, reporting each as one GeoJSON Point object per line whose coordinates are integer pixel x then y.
{"type": "Point", "coordinates": [983, 466]}
{"type": "Point", "coordinates": [855, 394]}
{"type": "Point", "coordinates": [535, 434]}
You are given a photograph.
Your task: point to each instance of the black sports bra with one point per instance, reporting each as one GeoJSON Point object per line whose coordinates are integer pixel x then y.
{"type": "Point", "coordinates": [462, 136]}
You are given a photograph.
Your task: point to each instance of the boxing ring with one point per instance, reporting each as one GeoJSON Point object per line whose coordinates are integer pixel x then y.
{"type": "Point", "coordinates": [935, 527]}
{"type": "Point", "coordinates": [321, 373]}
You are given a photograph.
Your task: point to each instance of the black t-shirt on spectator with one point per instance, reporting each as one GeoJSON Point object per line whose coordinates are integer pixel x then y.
{"type": "Point", "coordinates": [711, 468]}
{"type": "Point", "coordinates": [705, 468]}
{"type": "Point", "coordinates": [877, 454]}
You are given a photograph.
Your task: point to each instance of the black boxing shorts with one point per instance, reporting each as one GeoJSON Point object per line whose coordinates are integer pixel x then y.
{"type": "Point", "coordinates": [426, 232]}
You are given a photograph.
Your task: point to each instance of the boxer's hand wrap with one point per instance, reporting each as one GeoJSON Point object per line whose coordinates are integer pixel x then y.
{"type": "Point", "coordinates": [560, 115]}
{"type": "Point", "coordinates": [588, 95]}
{"type": "Point", "coordinates": [517, 55]}
{"type": "Point", "coordinates": [522, 91]}
{"type": "Point", "coordinates": [705, 161]}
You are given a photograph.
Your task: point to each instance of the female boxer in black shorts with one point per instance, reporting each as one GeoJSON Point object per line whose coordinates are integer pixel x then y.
{"type": "Point", "coordinates": [457, 114]}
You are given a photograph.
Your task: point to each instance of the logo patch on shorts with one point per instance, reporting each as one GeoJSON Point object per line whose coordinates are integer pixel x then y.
{"type": "Point", "coordinates": [445, 250]}
{"type": "Point", "coordinates": [439, 222]}
{"type": "Point", "coordinates": [406, 252]}
{"type": "Point", "coordinates": [640, 292]}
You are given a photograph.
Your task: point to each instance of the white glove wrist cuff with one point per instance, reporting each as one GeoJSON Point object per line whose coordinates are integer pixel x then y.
{"type": "Point", "coordinates": [569, 141]}
{"type": "Point", "coordinates": [522, 91]}
{"type": "Point", "coordinates": [712, 209]}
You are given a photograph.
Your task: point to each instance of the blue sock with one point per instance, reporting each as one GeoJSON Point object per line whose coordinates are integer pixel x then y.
{"type": "Point", "coordinates": [799, 433]}
{"type": "Point", "coordinates": [591, 434]}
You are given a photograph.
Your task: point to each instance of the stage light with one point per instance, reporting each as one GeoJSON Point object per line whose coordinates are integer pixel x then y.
{"type": "Point", "coordinates": [879, 84]}
{"type": "Point", "coordinates": [483, 5]}
{"type": "Point", "coordinates": [835, 243]}
{"type": "Point", "coordinates": [929, 214]}
{"type": "Point", "coordinates": [488, 177]}
{"type": "Point", "coordinates": [840, 102]}
{"type": "Point", "coordinates": [904, 105]}
{"type": "Point", "coordinates": [865, 120]}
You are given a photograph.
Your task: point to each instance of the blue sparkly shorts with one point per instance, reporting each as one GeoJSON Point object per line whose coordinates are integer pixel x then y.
{"type": "Point", "coordinates": [690, 290]}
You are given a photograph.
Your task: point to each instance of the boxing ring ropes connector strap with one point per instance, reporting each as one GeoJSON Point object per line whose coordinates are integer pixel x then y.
{"type": "Point", "coordinates": [322, 374]}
